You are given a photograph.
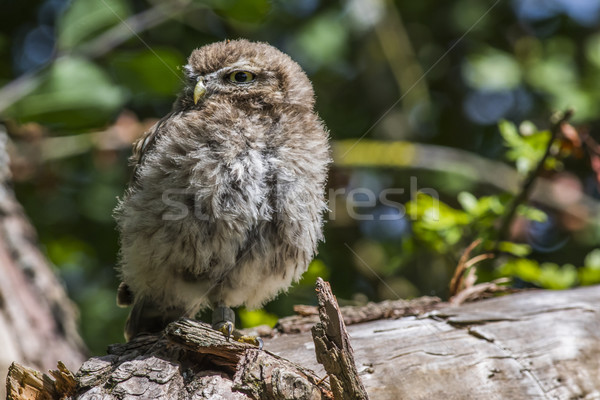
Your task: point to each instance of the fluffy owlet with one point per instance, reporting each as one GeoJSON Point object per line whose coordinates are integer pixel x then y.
{"type": "Point", "coordinates": [226, 204]}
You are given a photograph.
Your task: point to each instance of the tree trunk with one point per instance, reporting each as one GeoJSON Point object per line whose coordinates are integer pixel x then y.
{"type": "Point", "coordinates": [38, 322]}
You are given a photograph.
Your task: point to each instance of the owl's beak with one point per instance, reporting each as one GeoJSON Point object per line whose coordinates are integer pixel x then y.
{"type": "Point", "coordinates": [199, 90]}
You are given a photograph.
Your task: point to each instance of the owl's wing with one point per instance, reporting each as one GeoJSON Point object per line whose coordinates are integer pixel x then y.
{"type": "Point", "coordinates": [142, 145]}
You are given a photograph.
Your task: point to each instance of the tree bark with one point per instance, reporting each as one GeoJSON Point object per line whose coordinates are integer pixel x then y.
{"type": "Point", "coordinates": [38, 322]}
{"type": "Point", "coordinates": [535, 344]}
{"type": "Point", "coordinates": [333, 349]}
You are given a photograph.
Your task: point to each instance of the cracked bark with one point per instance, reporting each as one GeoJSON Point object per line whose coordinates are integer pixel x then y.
{"type": "Point", "coordinates": [189, 360]}
{"type": "Point", "coordinates": [333, 349]}
{"type": "Point", "coordinates": [531, 345]}
{"type": "Point", "coordinates": [38, 322]}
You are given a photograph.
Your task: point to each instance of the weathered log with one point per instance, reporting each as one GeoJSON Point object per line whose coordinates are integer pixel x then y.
{"type": "Point", "coordinates": [308, 316]}
{"type": "Point", "coordinates": [532, 345]}
{"type": "Point", "coordinates": [27, 383]}
{"type": "Point", "coordinates": [538, 344]}
{"type": "Point", "coordinates": [189, 360]}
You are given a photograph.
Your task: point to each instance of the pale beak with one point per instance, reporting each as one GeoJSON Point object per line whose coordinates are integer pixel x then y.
{"type": "Point", "coordinates": [199, 90]}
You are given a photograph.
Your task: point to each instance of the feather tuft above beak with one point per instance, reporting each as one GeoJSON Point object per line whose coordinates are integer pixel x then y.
{"type": "Point", "coordinates": [199, 91]}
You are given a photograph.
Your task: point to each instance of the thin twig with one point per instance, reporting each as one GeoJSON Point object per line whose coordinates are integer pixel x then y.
{"type": "Point", "coordinates": [461, 267]}
{"type": "Point", "coordinates": [478, 258]}
{"type": "Point", "coordinates": [527, 186]}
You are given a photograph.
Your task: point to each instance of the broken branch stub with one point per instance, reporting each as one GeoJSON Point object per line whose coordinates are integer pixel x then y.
{"type": "Point", "coordinates": [333, 349]}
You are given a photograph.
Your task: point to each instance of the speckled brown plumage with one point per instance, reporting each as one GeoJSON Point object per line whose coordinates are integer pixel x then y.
{"type": "Point", "coordinates": [227, 199]}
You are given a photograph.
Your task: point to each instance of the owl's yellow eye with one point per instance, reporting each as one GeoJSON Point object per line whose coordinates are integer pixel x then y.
{"type": "Point", "coordinates": [241, 77]}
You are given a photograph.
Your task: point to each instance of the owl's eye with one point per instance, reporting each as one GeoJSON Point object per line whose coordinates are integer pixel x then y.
{"type": "Point", "coordinates": [241, 77]}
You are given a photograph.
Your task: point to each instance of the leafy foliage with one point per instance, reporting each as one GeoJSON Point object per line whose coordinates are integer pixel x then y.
{"type": "Point", "coordinates": [447, 230]}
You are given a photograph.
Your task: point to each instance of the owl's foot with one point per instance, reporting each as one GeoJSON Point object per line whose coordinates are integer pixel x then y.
{"type": "Point", "coordinates": [253, 340]}
{"type": "Point", "coordinates": [226, 328]}
{"type": "Point", "coordinates": [223, 320]}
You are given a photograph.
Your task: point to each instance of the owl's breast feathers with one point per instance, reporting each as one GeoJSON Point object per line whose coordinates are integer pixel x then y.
{"type": "Point", "coordinates": [229, 196]}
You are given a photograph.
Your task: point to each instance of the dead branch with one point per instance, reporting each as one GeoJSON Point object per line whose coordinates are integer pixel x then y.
{"type": "Point", "coordinates": [333, 349]}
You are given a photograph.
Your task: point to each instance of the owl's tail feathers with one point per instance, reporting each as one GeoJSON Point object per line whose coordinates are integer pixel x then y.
{"type": "Point", "coordinates": [145, 316]}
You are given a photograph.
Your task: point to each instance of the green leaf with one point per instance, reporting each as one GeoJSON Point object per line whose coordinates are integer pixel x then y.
{"type": "Point", "coordinates": [532, 213]}
{"type": "Point", "coordinates": [324, 39]}
{"type": "Point", "coordinates": [509, 133]}
{"type": "Point", "coordinates": [86, 18]}
{"type": "Point", "coordinates": [316, 269]}
{"type": "Point", "coordinates": [547, 275]}
{"type": "Point", "coordinates": [527, 128]}
{"type": "Point", "coordinates": [553, 276]}
{"type": "Point", "coordinates": [149, 74]}
{"type": "Point", "coordinates": [519, 250]}
{"type": "Point", "coordinates": [524, 150]}
{"type": "Point", "coordinates": [526, 269]}
{"type": "Point", "coordinates": [589, 275]}
{"type": "Point", "coordinates": [76, 94]}
{"type": "Point", "coordinates": [492, 70]}
{"type": "Point", "coordinates": [592, 260]}
{"type": "Point", "coordinates": [468, 202]}
{"type": "Point", "coordinates": [256, 317]}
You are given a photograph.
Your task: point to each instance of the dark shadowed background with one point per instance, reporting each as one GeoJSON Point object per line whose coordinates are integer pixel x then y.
{"type": "Point", "coordinates": [82, 79]}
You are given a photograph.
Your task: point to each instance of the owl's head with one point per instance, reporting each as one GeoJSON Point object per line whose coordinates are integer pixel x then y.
{"type": "Point", "coordinates": [239, 70]}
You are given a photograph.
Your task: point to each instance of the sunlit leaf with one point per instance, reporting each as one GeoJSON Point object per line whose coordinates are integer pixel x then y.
{"type": "Point", "coordinates": [532, 213]}
{"type": "Point", "coordinates": [316, 269]}
{"type": "Point", "coordinates": [527, 128]}
{"type": "Point", "coordinates": [554, 74]}
{"type": "Point", "coordinates": [592, 260]}
{"type": "Point", "coordinates": [553, 276]}
{"type": "Point", "coordinates": [526, 269]}
{"type": "Point", "coordinates": [324, 39]}
{"type": "Point", "coordinates": [256, 317]}
{"type": "Point", "coordinates": [509, 133]}
{"type": "Point", "coordinates": [517, 249]}
{"type": "Point", "coordinates": [546, 275]}
{"type": "Point", "coordinates": [589, 274]}
{"type": "Point", "coordinates": [76, 93]}
{"type": "Point", "coordinates": [592, 49]}
{"type": "Point", "coordinates": [492, 70]}
{"type": "Point", "coordinates": [468, 202]}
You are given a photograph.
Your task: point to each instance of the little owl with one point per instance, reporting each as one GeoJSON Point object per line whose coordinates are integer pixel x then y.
{"type": "Point", "coordinates": [226, 203]}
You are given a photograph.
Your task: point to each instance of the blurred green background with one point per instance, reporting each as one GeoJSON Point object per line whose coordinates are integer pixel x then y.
{"type": "Point", "coordinates": [80, 80]}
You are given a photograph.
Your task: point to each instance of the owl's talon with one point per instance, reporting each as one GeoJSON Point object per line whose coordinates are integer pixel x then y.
{"type": "Point", "coordinates": [248, 339]}
{"type": "Point", "coordinates": [223, 320]}
{"type": "Point", "coordinates": [225, 327]}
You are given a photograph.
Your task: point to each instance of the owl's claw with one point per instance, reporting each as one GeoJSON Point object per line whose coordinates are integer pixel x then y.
{"type": "Point", "coordinates": [226, 328]}
{"type": "Point", "coordinates": [223, 320]}
{"type": "Point", "coordinates": [248, 339]}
